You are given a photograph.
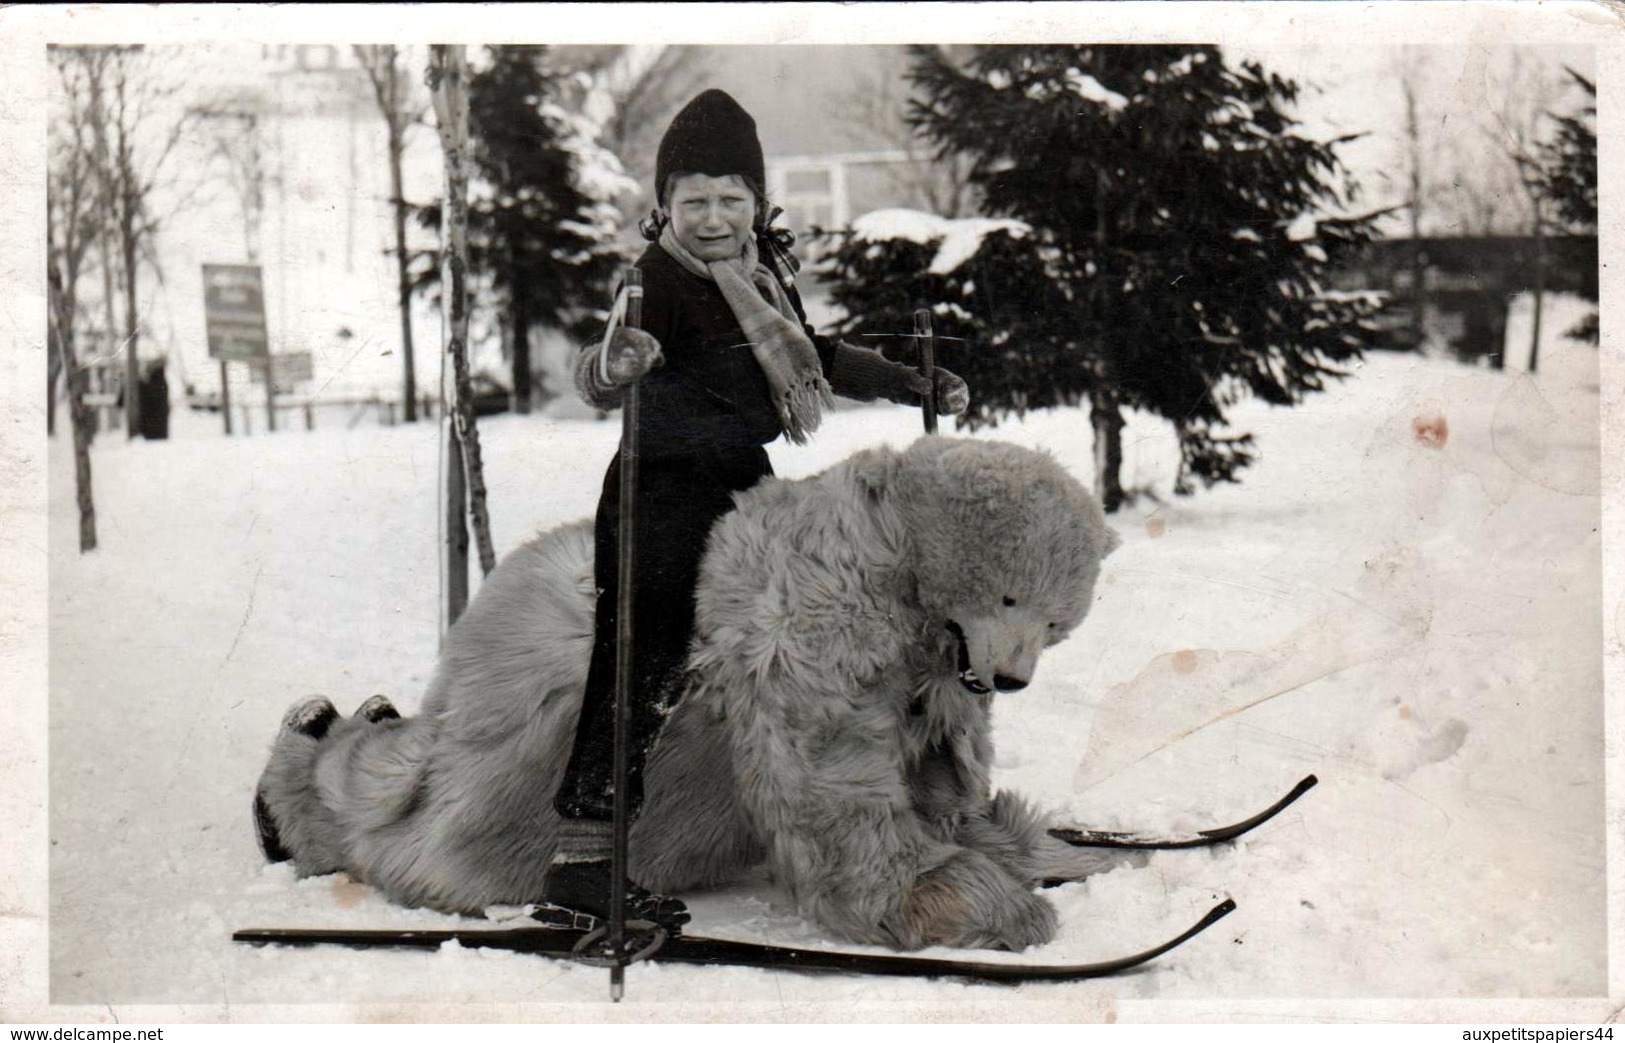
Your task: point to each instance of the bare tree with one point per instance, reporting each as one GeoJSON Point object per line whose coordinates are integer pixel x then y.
{"type": "Point", "coordinates": [448, 87]}
{"type": "Point", "coordinates": [1517, 122]}
{"type": "Point", "coordinates": [94, 62]}
{"type": "Point", "coordinates": [236, 147]}
{"type": "Point", "coordinates": [400, 110]}
{"type": "Point", "coordinates": [634, 91]}
{"type": "Point", "coordinates": [876, 106]}
{"type": "Point", "coordinates": [1410, 65]}
{"type": "Point", "coordinates": [1457, 168]}
{"type": "Point", "coordinates": [71, 219]}
{"type": "Point", "coordinates": [137, 126]}
{"type": "Point", "coordinates": [1477, 197]}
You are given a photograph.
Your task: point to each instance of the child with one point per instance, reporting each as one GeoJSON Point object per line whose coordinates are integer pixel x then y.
{"type": "Point", "coordinates": [727, 363]}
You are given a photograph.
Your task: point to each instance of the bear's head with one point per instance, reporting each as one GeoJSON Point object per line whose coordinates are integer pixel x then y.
{"type": "Point", "coordinates": [1005, 546]}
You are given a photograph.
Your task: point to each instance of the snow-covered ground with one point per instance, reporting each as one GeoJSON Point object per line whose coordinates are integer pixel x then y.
{"type": "Point", "coordinates": [1404, 597]}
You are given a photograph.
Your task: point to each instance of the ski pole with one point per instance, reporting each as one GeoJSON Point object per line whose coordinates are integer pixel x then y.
{"type": "Point", "coordinates": [928, 367]}
{"type": "Point", "coordinates": [632, 280]}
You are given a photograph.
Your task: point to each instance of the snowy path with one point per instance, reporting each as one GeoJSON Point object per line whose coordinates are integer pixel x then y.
{"type": "Point", "coordinates": [1415, 619]}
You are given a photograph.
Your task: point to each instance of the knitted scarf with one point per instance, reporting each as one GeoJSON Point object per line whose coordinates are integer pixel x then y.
{"type": "Point", "coordinates": [763, 310]}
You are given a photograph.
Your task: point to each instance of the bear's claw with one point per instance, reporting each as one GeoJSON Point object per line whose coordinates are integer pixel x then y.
{"type": "Point", "coordinates": [312, 717]}
{"type": "Point", "coordinates": [378, 708]}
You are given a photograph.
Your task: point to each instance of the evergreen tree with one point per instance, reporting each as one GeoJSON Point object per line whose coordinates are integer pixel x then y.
{"type": "Point", "coordinates": [1168, 230]}
{"type": "Point", "coordinates": [540, 236]}
{"type": "Point", "coordinates": [1568, 178]}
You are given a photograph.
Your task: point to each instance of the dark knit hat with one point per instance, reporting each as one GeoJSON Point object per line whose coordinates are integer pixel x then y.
{"type": "Point", "coordinates": [711, 135]}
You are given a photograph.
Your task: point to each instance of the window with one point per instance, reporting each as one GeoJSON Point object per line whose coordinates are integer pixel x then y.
{"type": "Point", "coordinates": [317, 57]}
{"type": "Point", "coordinates": [811, 191]}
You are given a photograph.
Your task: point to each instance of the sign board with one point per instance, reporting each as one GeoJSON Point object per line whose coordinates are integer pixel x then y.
{"type": "Point", "coordinates": [234, 312]}
{"type": "Point", "coordinates": [286, 370]}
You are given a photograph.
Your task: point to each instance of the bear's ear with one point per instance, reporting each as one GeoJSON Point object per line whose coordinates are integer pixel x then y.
{"type": "Point", "coordinates": [874, 470]}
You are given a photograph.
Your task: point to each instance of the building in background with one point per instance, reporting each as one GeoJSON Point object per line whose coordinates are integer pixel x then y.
{"type": "Point", "coordinates": [1468, 285]}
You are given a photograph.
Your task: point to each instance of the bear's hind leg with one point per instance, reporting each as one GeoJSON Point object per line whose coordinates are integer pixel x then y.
{"type": "Point", "coordinates": [330, 779]}
{"type": "Point", "coordinates": [293, 821]}
{"type": "Point", "coordinates": [311, 718]}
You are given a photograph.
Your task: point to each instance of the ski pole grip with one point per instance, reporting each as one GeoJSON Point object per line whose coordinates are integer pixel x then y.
{"type": "Point", "coordinates": [632, 280]}
{"type": "Point", "coordinates": [928, 367]}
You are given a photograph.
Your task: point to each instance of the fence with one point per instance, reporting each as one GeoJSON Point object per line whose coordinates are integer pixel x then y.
{"type": "Point", "coordinates": [353, 409]}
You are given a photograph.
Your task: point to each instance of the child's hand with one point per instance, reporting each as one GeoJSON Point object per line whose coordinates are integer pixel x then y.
{"type": "Point", "coordinates": [632, 353]}
{"type": "Point", "coordinates": [953, 394]}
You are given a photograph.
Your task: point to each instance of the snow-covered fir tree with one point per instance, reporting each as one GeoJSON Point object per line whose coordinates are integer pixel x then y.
{"type": "Point", "coordinates": [1166, 230]}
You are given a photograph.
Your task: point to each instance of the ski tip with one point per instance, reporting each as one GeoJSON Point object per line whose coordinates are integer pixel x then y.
{"type": "Point", "coordinates": [1214, 915]}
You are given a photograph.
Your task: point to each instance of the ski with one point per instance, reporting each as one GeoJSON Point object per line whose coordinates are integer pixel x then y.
{"type": "Point", "coordinates": [1174, 841]}
{"type": "Point", "coordinates": [561, 943]}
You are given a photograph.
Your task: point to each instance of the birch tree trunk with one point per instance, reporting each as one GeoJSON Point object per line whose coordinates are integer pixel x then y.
{"type": "Point", "coordinates": [448, 85]}
{"type": "Point", "coordinates": [389, 89]}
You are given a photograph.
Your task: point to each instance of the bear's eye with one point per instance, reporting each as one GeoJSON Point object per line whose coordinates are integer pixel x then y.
{"type": "Point", "coordinates": [1009, 602]}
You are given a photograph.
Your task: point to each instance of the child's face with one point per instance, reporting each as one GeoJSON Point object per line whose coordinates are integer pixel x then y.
{"type": "Point", "coordinates": [711, 216]}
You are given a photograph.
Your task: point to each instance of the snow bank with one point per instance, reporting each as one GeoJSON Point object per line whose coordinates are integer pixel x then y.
{"type": "Point", "coordinates": [1402, 597]}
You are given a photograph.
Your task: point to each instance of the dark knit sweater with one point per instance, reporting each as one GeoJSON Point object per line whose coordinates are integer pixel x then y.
{"type": "Point", "coordinates": [710, 392]}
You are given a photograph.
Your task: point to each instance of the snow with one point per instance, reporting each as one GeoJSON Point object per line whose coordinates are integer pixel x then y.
{"type": "Point", "coordinates": [1402, 598]}
{"type": "Point", "coordinates": [1091, 89]}
{"type": "Point", "coordinates": [914, 226]}
{"type": "Point", "coordinates": [1183, 66]}
{"type": "Point", "coordinates": [597, 172]}
{"type": "Point", "coordinates": [1303, 227]}
{"type": "Point", "coordinates": [964, 237]}
{"type": "Point", "coordinates": [1233, 109]}
{"type": "Point", "coordinates": [958, 239]}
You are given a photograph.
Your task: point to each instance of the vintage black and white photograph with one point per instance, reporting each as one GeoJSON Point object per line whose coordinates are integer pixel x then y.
{"type": "Point", "coordinates": [837, 517]}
